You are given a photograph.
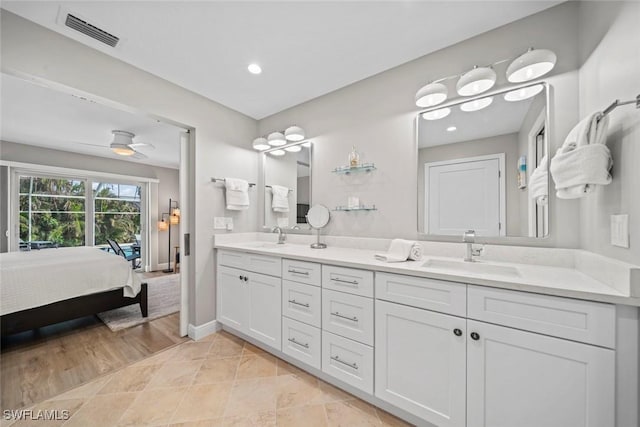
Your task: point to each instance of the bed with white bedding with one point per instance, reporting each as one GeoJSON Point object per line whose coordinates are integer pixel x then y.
{"type": "Point", "coordinates": [64, 283]}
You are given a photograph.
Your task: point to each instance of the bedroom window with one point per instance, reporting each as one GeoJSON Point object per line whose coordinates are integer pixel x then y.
{"type": "Point", "coordinates": [52, 209]}
{"type": "Point", "coordinates": [117, 212]}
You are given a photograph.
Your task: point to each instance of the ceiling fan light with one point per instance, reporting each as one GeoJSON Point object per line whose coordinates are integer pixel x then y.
{"type": "Point", "coordinates": [121, 143]}
{"type": "Point", "coordinates": [523, 93]}
{"type": "Point", "coordinates": [475, 81]}
{"type": "Point", "coordinates": [436, 114]}
{"type": "Point", "coordinates": [276, 139]}
{"type": "Point", "coordinates": [530, 65]}
{"type": "Point", "coordinates": [431, 94]}
{"type": "Point", "coordinates": [261, 144]}
{"type": "Point", "coordinates": [294, 133]}
{"type": "Point", "coordinates": [476, 104]}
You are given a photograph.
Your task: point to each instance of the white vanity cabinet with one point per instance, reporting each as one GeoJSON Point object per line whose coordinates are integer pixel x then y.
{"type": "Point", "coordinates": [456, 371]}
{"type": "Point", "coordinates": [421, 362]}
{"type": "Point", "coordinates": [248, 300]}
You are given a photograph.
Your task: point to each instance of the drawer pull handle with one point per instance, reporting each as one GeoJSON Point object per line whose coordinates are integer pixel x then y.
{"type": "Point", "coordinates": [293, 340]}
{"type": "Point", "coordinates": [292, 301]}
{"type": "Point", "coordinates": [475, 336]}
{"type": "Point", "coordinates": [306, 273]}
{"type": "Point", "coordinates": [337, 314]}
{"type": "Point", "coordinates": [348, 282]}
{"type": "Point", "coordinates": [351, 365]}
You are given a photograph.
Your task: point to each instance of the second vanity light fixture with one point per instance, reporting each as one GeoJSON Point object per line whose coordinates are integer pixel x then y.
{"type": "Point", "coordinates": [278, 139]}
{"type": "Point", "coordinates": [530, 65]}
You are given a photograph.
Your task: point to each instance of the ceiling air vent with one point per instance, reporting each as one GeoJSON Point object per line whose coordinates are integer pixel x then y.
{"type": "Point", "coordinates": [91, 30]}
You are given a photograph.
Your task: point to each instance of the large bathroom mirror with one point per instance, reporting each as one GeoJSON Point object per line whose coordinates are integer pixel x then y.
{"type": "Point", "coordinates": [476, 163]}
{"type": "Point", "coordinates": [287, 186]}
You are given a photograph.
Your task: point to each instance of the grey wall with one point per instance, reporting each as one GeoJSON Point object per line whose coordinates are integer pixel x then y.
{"type": "Point", "coordinates": [166, 188]}
{"type": "Point", "coordinates": [610, 51]}
{"type": "Point", "coordinates": [222, 136]}
{"type": "Point", "coordinates": [377, 116]}
{"type": "Point", "coordinates": [4, 207]}
{"type": "Point", "coordinates": [507, 144]}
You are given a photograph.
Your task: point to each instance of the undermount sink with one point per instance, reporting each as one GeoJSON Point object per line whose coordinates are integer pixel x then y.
{"type": "Point", "coordinates": [471, 267]}
{"type": "Point", "coordinates": [266, 245]}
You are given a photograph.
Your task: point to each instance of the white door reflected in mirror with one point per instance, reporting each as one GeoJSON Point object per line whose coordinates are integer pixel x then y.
{"type": "Point", "coordinates": [318, 217]}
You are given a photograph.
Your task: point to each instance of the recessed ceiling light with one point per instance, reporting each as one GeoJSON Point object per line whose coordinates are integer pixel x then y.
{"type": "Point", "coordinates": [451, 128]}
{"type": "Point", "coordinates": [254, 69]}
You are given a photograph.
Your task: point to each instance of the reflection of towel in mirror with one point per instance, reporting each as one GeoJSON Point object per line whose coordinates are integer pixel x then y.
{"type": "Point", "coordinates": [584, 160]}
{"type": "Point", "coordinates": [279, 198]}
{"type": "Point", "coordinates": [237, 194]}
{"type": "Point", "coordinates": [401, 250]}
{"type": "Point", "coordinates": [539, 183]}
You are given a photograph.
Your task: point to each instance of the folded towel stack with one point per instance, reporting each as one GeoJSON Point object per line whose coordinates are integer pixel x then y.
{"type": "Point", "coordinates": [539, 183]}
{"type": "Point", "coordinates": [279, 198]}
{"type": "Point", "coordinates": [401, 250]}
{"type": "Point", "coordinates": [237, 194]}
{"type": "Point", "coordinates": [584, 160]}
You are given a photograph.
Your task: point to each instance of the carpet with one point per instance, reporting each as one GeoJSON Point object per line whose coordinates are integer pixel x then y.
{"type": "Point", "coordinates": [163, 299]}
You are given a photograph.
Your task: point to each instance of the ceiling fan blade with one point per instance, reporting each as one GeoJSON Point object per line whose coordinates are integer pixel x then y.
{"type": "Point", "coordinates": [93, 145]}
{"type": "Point", "coordinates": [138, 155]}
{"type": "Point", "coordinates": [135, 145]}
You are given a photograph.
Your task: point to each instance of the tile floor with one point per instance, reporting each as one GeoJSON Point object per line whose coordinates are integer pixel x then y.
{"type": "Point", "coordinates": [218, 381]}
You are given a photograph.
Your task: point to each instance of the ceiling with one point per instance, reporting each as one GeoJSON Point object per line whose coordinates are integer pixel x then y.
{"type": "Point", "coordinates": [306, 49]}
{"type": "Point", "coordinates": [37, 115]}
{"type": "Point", "coordinates": [499, 118]}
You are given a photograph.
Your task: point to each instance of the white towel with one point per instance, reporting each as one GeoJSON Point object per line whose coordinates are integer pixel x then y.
{"type": "Point", "coordinates": [539, 183]}
{"type": "Point", "coordinates": [279, 198]}
{"type": "Point", "coordinates": [401, 250]}
{"type": "Point", "coordinates": [584, 160]}
{"type": "Point", "coordinates": [237, 194]}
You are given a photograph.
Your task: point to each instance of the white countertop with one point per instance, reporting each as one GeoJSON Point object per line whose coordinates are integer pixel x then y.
{"type": "Point", "coordinates": [565, 281]}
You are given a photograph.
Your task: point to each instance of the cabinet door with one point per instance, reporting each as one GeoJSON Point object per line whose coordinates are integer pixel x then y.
{"type": "Point", "coordinates": [523, 379]}
{"type": "Point", "coordinates": [232, 288]}
{"type": "Point", "coordinates": [421, 362]}
{"type": "Point", "coordinates": [264, 305]}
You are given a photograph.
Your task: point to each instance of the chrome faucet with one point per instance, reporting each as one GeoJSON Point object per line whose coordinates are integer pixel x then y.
{"type": "Point", "coordinates": [281, 235]}
{"type": "Point", "coordinates": [469, 237]}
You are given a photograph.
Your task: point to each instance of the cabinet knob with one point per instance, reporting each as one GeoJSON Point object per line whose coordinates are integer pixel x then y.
{"type": "Point", "coordinates": [240, 277]}
{"type": "Point", "coordinates": [246, 278]}
{"type": "Point", "coordinates": [475, 336]}
{"type": "Point", "coordinates": [457, 332]}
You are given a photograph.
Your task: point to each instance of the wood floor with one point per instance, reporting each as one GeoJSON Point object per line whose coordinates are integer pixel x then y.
{"type": "Point", "coordinates": [40, 364]}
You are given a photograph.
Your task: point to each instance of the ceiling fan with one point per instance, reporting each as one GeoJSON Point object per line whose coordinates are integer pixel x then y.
{"type": "Point", "coordinates": [123, 145]}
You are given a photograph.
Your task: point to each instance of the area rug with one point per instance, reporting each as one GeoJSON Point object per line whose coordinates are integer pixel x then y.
{"type": "Point", "coordinates": [163, 299]}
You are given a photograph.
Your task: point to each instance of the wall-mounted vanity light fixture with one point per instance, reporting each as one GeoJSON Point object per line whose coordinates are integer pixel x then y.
{"type": "Point", "coordinates": [278, 139]}
{"type": "Point", "coordinates": [530, 65]}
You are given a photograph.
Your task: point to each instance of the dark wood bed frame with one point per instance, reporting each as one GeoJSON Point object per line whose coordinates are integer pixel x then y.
{"type": "Point", "coordinates": [69, 309]}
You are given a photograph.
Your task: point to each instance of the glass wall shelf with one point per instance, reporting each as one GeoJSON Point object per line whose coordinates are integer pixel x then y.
{"type": "Point", "coordinates": [356, 208]}
{"type": "Point", "coordinates": [365, 167]}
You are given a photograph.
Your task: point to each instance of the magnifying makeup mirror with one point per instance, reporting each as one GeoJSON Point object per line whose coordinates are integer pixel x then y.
{"type": "Point", "coordinates": [318, 217]}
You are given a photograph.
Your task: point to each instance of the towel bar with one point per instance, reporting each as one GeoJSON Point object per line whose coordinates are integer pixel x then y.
{"type": "Point", "coordinates": [617, 103]}
{"type": "Point", "coordinates": [251, 184]}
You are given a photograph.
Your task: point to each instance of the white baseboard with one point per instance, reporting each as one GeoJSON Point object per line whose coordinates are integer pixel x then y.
{"type": "Point", "coordinates": [201, 331]}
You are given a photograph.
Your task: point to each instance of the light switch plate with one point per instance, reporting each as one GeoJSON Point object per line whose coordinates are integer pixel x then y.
{"type": "Point", "coordinates": [229, 223]}
{"type": "Point", "coordinates": [219, 223]}
{"type": "Point", "coordinates": [620, 230]}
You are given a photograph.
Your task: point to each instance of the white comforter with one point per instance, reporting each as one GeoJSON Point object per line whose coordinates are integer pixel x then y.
{"type": "Point", "coordinates": [39, 277]}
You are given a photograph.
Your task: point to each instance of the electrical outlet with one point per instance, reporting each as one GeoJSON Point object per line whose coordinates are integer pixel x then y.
{"type": "Point", "coordinates": [219, 223]}
{"type": "Point", "coordinates": [620, 230]}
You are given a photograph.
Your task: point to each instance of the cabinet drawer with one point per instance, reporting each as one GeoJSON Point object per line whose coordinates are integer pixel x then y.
{"type": "Point", "coordinates": [348, 361]}
{"type": "Point", "coordinates": [348, 315]}
{"type": "Point", "coordinates": [301, 341]}
{"type": "Point", "coordinates": [301, 271]}
{"type": "Point", "coordinates": [584, 321]}
{"type": "Point", "coordinates": [351, 280]}
{"type": "Point", "coordinates": [302, 302]}
{"type": "Point", "coordinates": [437, 295]}
{"type": "Point", "coordinates": [263, 264]}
